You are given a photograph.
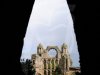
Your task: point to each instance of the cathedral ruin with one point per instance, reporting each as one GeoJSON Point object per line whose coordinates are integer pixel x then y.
{"type": "Point", "coordinates": [46, 65]}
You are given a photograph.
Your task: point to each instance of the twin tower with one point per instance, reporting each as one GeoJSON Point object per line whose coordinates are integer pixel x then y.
{"type": "Point", "coordinates": [63, 51]}
{"type": "Point", "coordinates": [46, 65]}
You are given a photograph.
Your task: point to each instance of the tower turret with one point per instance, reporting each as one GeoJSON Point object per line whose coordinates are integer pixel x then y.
{"type": "Point", "coordinates": [64, 48]}
{"type": "Point", "coordinates": [40, 49]}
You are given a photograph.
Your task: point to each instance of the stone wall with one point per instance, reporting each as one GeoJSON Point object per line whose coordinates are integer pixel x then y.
{"type": "Point", "coordinates": [46, 65]}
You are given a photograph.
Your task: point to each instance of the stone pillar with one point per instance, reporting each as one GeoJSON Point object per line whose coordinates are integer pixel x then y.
{"type": "Point", "coordinates": [58, 61]}
{"type": "Point", "coordinates": [54, 64]}
{"type": "Point", "coordinates": [65, 66]}
{"type": "Point", "coordinates": [46, 66]}
{"type": "Point", "coordinates": [68, 64]}
{"type": "Point", "coordinates": [50, 66]}
{"type": "Point", "coordinates": [42, 66]}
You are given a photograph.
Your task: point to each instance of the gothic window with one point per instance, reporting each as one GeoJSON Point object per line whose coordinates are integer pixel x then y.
{"type": "Point", "coordinates": [52, 53]}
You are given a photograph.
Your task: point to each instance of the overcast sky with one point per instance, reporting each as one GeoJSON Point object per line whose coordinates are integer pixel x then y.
{"type": "Point", "coordinates": [50, 24]}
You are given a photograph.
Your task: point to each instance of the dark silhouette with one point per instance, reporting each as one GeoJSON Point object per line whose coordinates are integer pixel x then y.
{"type": "Point", "coordinates": [77, 73]}
{"type": "Point", "coordinates": [27, 67]}
{"type": "Point", "coordinates": [14, 20]}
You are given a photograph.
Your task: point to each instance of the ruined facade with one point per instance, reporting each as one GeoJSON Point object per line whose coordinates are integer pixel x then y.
{"type": "Point", "coordinates": [46, 65]}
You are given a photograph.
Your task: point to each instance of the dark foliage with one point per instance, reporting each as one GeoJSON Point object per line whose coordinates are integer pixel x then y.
{"type": "Point", "coordinates": [27, 67]}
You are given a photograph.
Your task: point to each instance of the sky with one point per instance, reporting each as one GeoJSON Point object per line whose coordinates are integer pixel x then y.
{"type": "Point", "coordinates": [50, 23]}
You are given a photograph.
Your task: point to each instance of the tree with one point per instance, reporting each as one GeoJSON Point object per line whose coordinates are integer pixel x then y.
{"type": "Point", "coordinates": [27, 67]}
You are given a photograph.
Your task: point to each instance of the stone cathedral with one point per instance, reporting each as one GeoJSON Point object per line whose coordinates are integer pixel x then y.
{"type": "Point", "coordinates": [46, 65]}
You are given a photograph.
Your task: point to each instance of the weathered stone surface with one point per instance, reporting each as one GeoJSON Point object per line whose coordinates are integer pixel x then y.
{"type": "Point", "coordinates": [44, 64]}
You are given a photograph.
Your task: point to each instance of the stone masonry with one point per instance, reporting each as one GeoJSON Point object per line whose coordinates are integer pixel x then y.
{"type": "Point", "coordinates": [46, 65]}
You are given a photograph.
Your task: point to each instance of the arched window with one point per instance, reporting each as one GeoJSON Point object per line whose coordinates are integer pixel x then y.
{"type": "Point", "coordinates": [52, 53]}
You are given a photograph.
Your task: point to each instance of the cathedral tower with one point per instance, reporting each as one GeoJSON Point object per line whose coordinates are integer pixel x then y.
{"type": "Point", "coordinates": [40, 49]}
{"type": "Point", "coordinates": [64, 48]}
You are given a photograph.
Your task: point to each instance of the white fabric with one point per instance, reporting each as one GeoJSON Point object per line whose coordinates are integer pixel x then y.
{"type": "Point", "coordinates": [50, 24]}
